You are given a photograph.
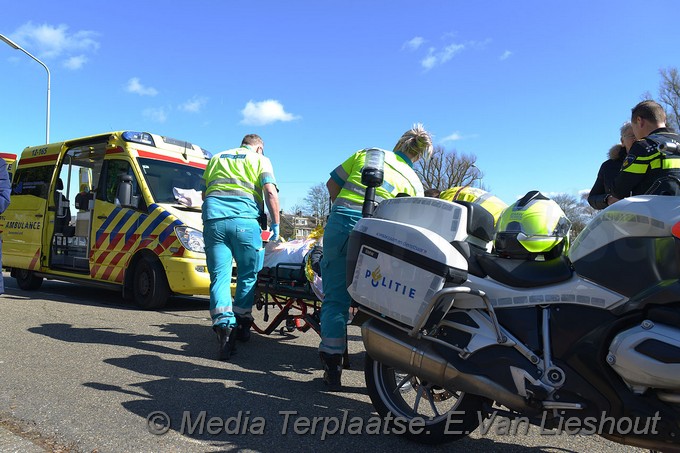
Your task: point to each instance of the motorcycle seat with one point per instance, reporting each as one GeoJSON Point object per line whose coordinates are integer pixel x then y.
{"type": "Point", "coordinates": [480, 222]}
{"type": "Point", "coordinates": [471, 252]}
{"type": "Point", "coordinates": [526, 273]}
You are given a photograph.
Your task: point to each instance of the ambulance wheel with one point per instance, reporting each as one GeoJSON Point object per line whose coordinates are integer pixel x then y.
{"type": "Point", "coordinates": [447, 415]}
{"type": "Point", "coordinates": [27, 280]}
{"type": "Point", "coordinates": [149, 285]}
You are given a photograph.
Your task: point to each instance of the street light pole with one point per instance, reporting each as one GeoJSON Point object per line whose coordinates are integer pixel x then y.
{"type": "Point", "coordinates": [16, 46]}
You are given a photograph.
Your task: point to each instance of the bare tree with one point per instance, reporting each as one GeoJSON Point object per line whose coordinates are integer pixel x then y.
{"type": "Point", "coordinates": [669, 96]}
{"type": "Point", "coordinates": [318, 203]}
{"type": "Point", "coordinates": [578, 211]}
{"type": "Point", "coordinates": [287, 228]}
{"type": "Point", "coordinates": [447, 169]}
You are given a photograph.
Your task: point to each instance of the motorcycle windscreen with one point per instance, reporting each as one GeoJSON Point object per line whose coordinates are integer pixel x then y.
{"type": "Point", "coordinates": [391, 286]}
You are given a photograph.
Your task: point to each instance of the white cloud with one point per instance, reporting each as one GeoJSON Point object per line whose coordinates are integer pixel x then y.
{"type": "Point", "coordinates": [76, 62]}
{"type": "Point", "coordinates": [505, 55]}
{"type": "Point", "coordinates": [156, 114]}
{"type": "Point", "coordinates": [452, 137]}
{"type": "Point", "coordinates": [414, 43]}
{"type": "Point", "coordinates": [51, 42]}
{"type": "Point", "coordinates": [436, 57]}
{"type": "Point", "coordinates": [194, 105]}
{"type": "Point", "coordinates": [265, 112]}
{"type": "Point", "coordinates": [430, 60]}
{"type": "Point", "coordinates": [134, 86]}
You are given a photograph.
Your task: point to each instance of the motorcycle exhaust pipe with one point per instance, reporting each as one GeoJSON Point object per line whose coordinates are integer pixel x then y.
{"type": "Point", "coordinates": [392, 347]}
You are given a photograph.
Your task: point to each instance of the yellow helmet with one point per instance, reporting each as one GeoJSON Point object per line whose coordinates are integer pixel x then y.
{"type": "Point", "coordinates": [534, 225]}
{"type": "Point", "coordinates": [481, 197]}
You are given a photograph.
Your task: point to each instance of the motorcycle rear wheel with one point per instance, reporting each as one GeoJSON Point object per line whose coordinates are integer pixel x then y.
{"type": "Point", "coordinates": [407, 396]}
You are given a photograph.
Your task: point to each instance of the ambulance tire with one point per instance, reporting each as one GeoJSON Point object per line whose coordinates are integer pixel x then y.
{"type": "Point", "coordinates": [150, 286]}
{"type": "Point", "coordinates": [27, 280]}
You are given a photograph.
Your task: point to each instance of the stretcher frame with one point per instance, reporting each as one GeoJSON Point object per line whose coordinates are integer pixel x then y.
{"type": "Point", "coordinates": [299, 307]}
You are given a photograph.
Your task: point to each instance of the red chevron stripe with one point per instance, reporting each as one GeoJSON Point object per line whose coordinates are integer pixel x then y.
{"type": "Point", "coordinates": [115, 240]}
{"type": "Point", "coordinates": [130, 242]}
{"type": "Point", "coordinates": [117, 258]}
{"type": "Point", "coordinates": [102, 257]}
{"type": "Point", "coordinates": [169, 240]}
{"type": "Point", "coordinates": [101, 239]}
{"type": "Point", "coordinates": [33, 266]}
{"type": "Point", "coordinates": [107, 272]}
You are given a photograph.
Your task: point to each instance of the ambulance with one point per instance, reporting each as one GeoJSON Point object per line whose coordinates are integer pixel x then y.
{"type": "Point", "coordinates": [11, 160]}
{"type": "Point", "coordinates": [119, 210]}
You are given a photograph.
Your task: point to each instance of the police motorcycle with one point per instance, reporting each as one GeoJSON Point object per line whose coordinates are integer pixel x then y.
{"type": "Point", "coordinates": [456, 335]}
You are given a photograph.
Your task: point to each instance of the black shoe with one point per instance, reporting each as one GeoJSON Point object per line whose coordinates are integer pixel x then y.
{"type": "Point", "coordinates": [226, 337]}
{"type": "Point", "coordinates": [243, 329]}
{"type": "Point", "coordinates": [332, 370]}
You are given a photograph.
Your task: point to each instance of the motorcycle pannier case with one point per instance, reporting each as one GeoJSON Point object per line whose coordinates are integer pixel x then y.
{"type": "Point", "coordinates": [396, 267]}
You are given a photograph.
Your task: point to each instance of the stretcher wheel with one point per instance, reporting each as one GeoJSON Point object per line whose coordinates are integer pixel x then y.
{"type": "Point", "coordinates": [289, 327]}
{"type": "Point", "coordinates": [290, 324]}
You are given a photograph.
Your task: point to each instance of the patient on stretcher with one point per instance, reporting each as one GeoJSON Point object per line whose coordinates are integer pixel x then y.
{"type": "Point", "coordinates": [298, 260]}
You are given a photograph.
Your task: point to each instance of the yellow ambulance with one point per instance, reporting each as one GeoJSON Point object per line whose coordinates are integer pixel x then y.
{"type": "Point", "coordinates": [11, 160]}
{"type": "Point", "coordinates": [119, 209]}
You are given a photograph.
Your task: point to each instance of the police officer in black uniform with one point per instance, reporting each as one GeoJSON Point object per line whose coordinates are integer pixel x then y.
{"type": "Point", "coordinates": [652, 166]}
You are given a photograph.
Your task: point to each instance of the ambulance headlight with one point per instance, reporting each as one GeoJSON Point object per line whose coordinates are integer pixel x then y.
{"type": "Point", "coordinates": [191, 238]}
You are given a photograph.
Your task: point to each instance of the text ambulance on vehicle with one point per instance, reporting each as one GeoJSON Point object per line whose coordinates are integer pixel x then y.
{"type": "Point", "coordinates": [120, 209]}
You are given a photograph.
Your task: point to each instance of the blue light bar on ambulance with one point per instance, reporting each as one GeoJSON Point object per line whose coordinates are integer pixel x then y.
{"type": "Point", "coordinates": [138, 137]}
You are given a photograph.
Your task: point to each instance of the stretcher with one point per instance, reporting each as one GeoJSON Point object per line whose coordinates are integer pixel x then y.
{"type": "Point", "coordinates": [286, 289]}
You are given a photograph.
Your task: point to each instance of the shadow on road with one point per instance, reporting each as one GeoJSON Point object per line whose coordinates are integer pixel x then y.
{"type": "Point", "coordinates": [73, 293]}
{"type": "Point", "coordinates": [266, 398]}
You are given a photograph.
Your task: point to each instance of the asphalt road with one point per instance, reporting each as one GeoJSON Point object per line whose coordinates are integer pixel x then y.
{"type": "Point", "coordinates": [82, 371]}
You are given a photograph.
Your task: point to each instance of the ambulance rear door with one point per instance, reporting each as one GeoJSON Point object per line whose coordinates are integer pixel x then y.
{"type": "Point", "coordinates": [27, 216]}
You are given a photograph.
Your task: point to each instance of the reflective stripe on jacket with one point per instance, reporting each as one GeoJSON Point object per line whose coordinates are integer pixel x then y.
{"type": "Point", "coordinates": [399, 177]}
{"type": "Point", "coordinates": [238, 172]}
{"type": "Point", "coordinates": [645, 166]}
{"type": "Point", "coordinates": [234, 181]}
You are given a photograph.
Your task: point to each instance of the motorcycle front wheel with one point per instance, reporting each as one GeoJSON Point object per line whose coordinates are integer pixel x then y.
{"type": "Point", "coordinates": [448, 416]}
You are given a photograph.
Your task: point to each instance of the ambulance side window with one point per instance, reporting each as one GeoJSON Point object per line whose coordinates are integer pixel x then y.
{"type": "Point", "coordinates": [108, 183]}
{"type": "Point", "coordinates": [33, 181]}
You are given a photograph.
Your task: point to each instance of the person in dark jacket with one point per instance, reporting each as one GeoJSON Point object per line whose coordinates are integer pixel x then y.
{"type": "Point", "coordinates": [652, 166]}
{"type": "Point", "coordinates": [597, 198]}
{"type": "Point", "coordinates": [5, 189]}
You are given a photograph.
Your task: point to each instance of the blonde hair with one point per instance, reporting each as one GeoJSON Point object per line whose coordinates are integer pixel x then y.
{"type": "Point", "coordinates": [627, 127]}
{"type": "Point", "coordinates": [416, 142]}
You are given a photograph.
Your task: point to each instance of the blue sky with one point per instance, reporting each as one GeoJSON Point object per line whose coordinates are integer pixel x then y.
{"type": "Point", "coordinates": [537, 90]}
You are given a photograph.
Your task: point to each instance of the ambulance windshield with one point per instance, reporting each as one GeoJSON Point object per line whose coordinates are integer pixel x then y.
{"type": "Point", "coordinates": [170, 182]}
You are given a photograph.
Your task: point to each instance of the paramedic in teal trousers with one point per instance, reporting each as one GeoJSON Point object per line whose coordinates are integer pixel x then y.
{"type": "Point", "coordinates": [347, 194]}
{"type": "Point", "coordinates": [238, 184]}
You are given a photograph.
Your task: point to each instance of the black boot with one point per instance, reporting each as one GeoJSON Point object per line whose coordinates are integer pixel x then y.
{"type": "Point", "coordinates": [243, 328]}
{"type": "Point", "coordinates": [332, 370]}
{"type": "Point", "coordinates": [226, 337]}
